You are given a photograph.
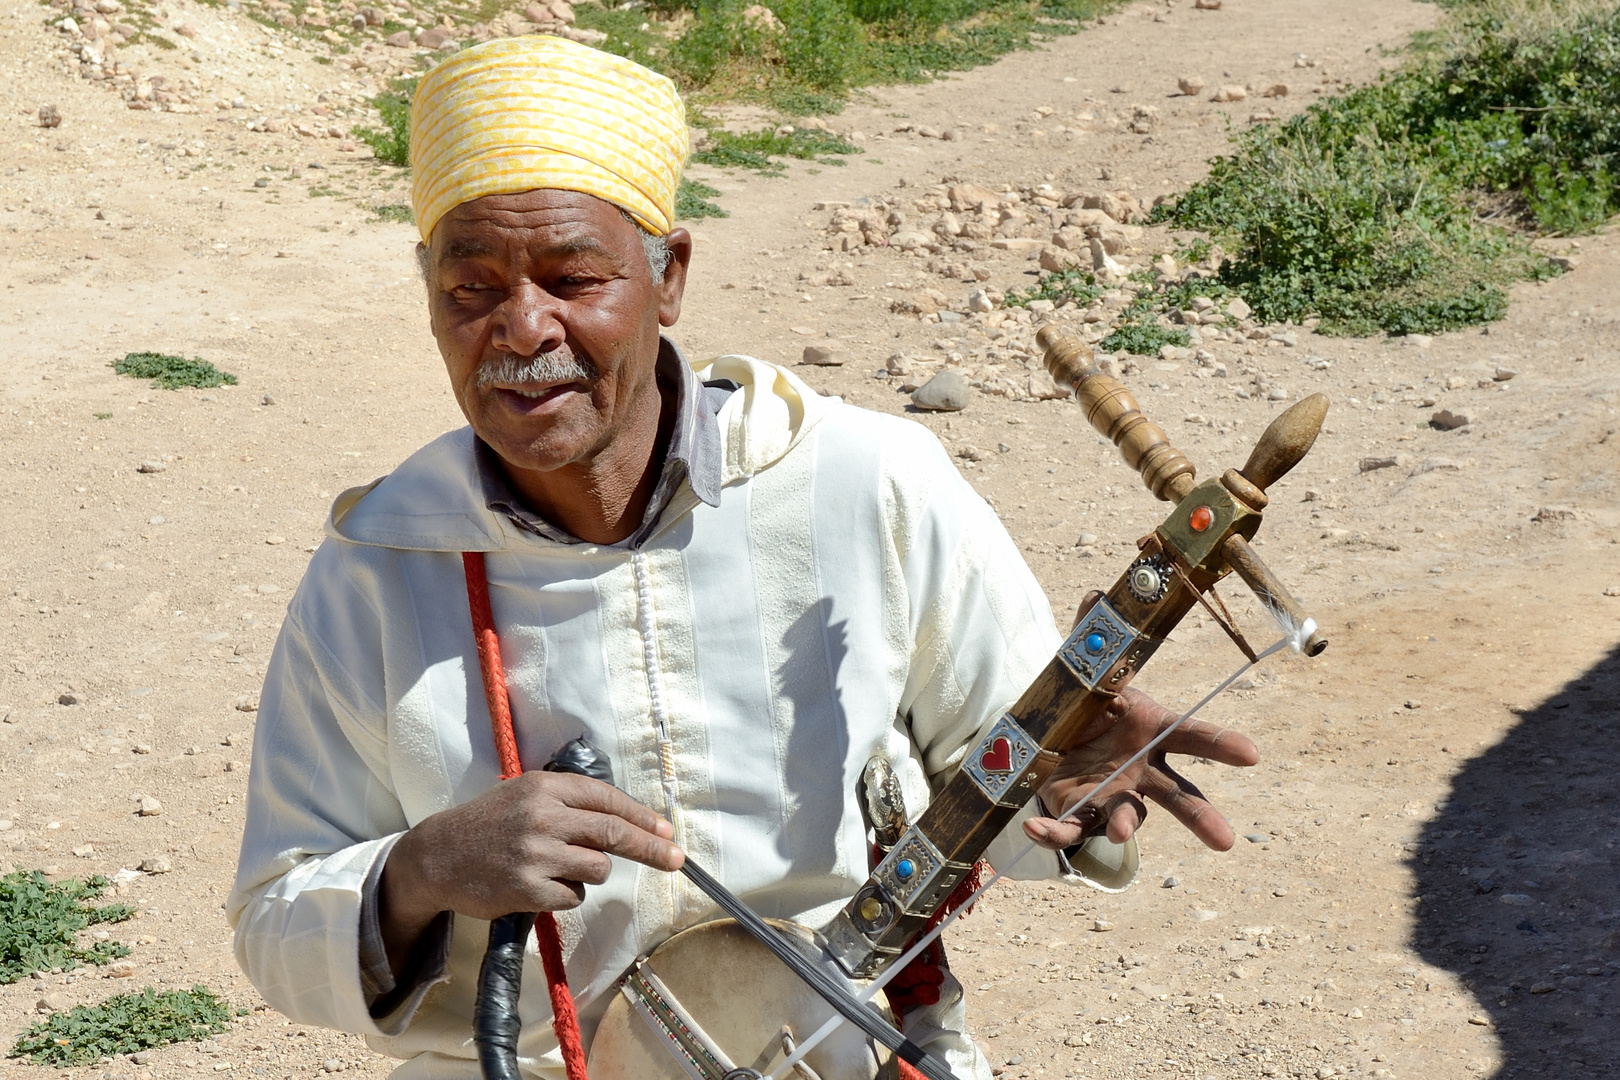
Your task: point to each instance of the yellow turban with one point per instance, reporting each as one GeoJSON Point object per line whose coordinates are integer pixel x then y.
{"type": "Point", "coordinates": [517, 114]}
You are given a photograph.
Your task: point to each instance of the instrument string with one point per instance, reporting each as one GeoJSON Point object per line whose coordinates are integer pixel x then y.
{"type": "Point", "coordinates": [1292, 639]}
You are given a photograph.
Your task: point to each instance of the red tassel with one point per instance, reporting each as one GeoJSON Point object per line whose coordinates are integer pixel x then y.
{"type": "Point", "coordinates": [564, 1017]}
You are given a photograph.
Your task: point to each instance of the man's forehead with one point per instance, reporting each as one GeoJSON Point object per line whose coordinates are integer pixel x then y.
{"type": "Point", "coordinates": [565, 222]}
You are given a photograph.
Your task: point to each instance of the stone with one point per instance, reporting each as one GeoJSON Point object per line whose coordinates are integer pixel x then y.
{"type": "Point", "coordinates": [897, 364]}
{"type": "Point", "coordinates": [246, 703]}
{"type": "Point", "coordinates": [50, 116]}
{"type": "Point", "coordinates": [436, 38]}
{"type": "Point", "coordinates": [1231, 92]}
{"type": "Point", "coordinates": [68, 699]}
{"type": "Point", "coordinates": [1612, 590]}
{"type": "Point", "coordinates": [1191, 85]}
{"type": "Point", "coordinates": [1101, 926]}
{"type": "Point", "coordinates": [1515, 899]}
{"type": "Point", "coordinates": [1503, 374]}
{"type": "Point", "coordinates": [151, 467]}
{"type": "Point", "coordinates": [235, 766]}
{"type": "Point", "coordinates": [141, 1057]}
{"type": "Point", "coordinates": [1204, 915]}
{"type": "Point", "coordinates": [1556, 513]}
{"type": "Point", "coordinates": [1086, 540]}
{"type": "Point", "coordinates": [122, 969]}
{"type": "Point", "coordinates": [1277, 393]}
{"type": "Point", "coordinates": [1207, 5]}
{"type": "Point", "coordinates": [1056, 260]}
{"type": "Point", "coordinates": [1372, 464]}
{"type": "Point", "coordinates": [1165, 266]}
{"type": "Point", "coordinates": [1042, 387]}
{"type": "Point", "coordinates": [1170, 882]}
{"type": "Point", "coordinates": [908, 240]}
{"type": "Point", "coordinates": [1417, 341]}
{"type": "Point", "coordinates": [826, 354]}
{"type": "Point", "coordinates": [53, 1003]}
{"type": "Point", "coordinates": [946, 392]}
{"type": "Point", "coordinates": [1018, 245]}
{"type": "Point", "coordinates": [332, 1065]}
{"type": "Point", "coordinates": [1275, 90]}
{"type": "Point", "coordinates": [1563, 262]}
{"type": "Point", "coordinates": [1257, 837]}
{"type": "Point", "coordinates": [148, 807]}
{"type": "Point", "coordinates": [1101, 261]}
{"type": "Point", "coordinates": [1238, 309]}
{"type": "Point", "coordinates": [157, 864]}
{"type": "Point", "coordinates": [400, 39]}
{"type": "Point", "coordinates": [979, 302]}
{"type": "Point", "coordinates": [1446, 420]}
{"type": "Point", "coordinates": [266, 589]}
{"type": "Point", "coordinates": [1480, 1020]}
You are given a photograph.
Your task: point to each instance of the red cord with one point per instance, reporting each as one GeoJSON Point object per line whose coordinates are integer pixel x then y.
{"type": "Point", "coordinates": [564, 1017]}
{"type": "Point", "coordinates": [909, 1071]}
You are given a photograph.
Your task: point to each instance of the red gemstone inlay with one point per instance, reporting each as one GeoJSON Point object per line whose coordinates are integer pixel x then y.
{"type": "Point", "coordinates": [999, 757]}
{"type": "Point", "coordinates": [1202, 518]}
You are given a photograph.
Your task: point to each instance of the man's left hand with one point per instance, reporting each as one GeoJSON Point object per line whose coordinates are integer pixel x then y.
{"type": "Point", "coordinates": [1129, 723]}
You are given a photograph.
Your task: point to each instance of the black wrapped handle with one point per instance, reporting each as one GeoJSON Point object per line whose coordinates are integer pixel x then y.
{"type": "Point", "coordinates": [496, 1024]}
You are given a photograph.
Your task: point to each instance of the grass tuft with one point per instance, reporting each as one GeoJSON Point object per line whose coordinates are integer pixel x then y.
{"type": "Point", "coordinates": [39, 921]}
{"type": "Point", "coordinates": [398, 212]}
{"type": "Point", "coordinates": [124, 1024]}
{"type": "Point", "coordinates": [759, 150]}
{"type": "Point", "coordinates": [172, 372]}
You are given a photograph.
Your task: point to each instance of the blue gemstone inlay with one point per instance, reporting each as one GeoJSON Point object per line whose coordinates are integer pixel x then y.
{"type": "Point", "coordinates": [1095, 643]}
{"type": "Point", "coordinates": [904, 869]}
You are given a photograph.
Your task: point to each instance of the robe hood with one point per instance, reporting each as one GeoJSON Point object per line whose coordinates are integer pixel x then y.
{"type": "Point", "coordinates": [433, 501]}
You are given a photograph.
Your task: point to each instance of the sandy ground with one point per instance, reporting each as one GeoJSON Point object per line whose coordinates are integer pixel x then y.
{"type": "Point", "coordinates": [1423, 890]}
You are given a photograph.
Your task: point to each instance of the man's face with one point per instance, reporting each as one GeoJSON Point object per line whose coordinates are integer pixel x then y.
{"type": "Point", "coordinates": [547, 316]}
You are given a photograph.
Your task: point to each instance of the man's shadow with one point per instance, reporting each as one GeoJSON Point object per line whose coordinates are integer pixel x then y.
{"type": "Point", "coordinates": [1520, 894]}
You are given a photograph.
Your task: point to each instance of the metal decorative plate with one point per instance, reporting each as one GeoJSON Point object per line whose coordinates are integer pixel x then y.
{"type": "Point", "coordinates": [1001, 759]}
{"type": "Point", "coordinates": [910, 868]}
{"type": "Point", "coordinates": [1101, 639]}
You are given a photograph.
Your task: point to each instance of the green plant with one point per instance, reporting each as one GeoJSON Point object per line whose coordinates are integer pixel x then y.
{"type": "Point", "coordinates": [124, 1024]}
{"type": "Point", "coordinates": [391, 142]}
{"type": "Point", "coordinates": [692, 201]}
{"type": "Point", "coordinates": [1565, 205]}
{"type": "Point", "coordinates": [758, 150]}
{"type": "Point", "coordinates": [1079, 286]}
{"type": "Point", "coordinates": [103, 416]}
{"type": "Point", "coordinates": [172, 372]}
{"type": "Point", "coordinates": [1144, 337]}
{"type": "Point", "coordinates": [39, 921]}
{"type": "Point", "coordinates": [398, 212]}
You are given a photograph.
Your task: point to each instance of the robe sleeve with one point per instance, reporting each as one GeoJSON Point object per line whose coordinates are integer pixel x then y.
{"type": "Point", "coordinates": [321, 813]}
{"type": "Point", "coordinates": [982, 629]}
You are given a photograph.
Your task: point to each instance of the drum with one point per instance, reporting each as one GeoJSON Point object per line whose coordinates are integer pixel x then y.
{"type": "Point", "coordinates": [712, 1002]}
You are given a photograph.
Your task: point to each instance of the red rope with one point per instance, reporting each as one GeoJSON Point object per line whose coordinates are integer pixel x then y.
{"type": "Point", "coordinates": [909, 1071]}
{"type": "Point", "coordinates": [564, 1017]}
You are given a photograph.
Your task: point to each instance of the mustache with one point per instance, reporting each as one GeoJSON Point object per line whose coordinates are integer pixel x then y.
{"type": "Point", "coordinates": [561, 364]}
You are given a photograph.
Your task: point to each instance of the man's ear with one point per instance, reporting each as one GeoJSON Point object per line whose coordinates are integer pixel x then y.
{"type": "Point", "coordinates": [673, 288]}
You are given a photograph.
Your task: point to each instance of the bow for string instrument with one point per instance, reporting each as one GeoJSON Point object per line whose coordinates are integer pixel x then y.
{"type": "Point", "coordinates": [727, 1000]}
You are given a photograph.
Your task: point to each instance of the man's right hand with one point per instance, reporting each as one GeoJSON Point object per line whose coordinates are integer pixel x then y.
{"type": "Point", "coordinates": [528, 844]}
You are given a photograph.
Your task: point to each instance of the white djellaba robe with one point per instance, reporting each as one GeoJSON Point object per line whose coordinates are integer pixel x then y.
{"type": "Point", "coordinates": [850, 595]}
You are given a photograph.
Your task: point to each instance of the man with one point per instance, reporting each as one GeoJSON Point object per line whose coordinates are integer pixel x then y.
{"type": "Point", "coordinates": [739, 590]}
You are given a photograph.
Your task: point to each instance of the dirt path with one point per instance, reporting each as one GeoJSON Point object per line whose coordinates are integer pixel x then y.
{"type": "Point", "coordinates": [1425, 891]}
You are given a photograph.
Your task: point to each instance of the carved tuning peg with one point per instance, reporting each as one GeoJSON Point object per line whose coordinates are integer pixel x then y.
{"type": "Point", "coordinates": [1288, 439]}
{"type": "Point", "coordinates": [1117, 417]}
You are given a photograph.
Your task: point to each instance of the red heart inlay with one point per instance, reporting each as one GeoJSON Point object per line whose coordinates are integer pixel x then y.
{"type": "Point", "coordinates": [999, 757]}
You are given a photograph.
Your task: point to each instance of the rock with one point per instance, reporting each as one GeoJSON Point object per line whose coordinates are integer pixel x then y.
{"type": "Point", "coordinates": [908, 240]}
{"type": "Point", "coordinates": [235, 766]}
{"type": "Point", "coordinates": [141, 748]}
{"type": "Point", "coordinates": [1231, 92]}
{"type": "Point", "coordinates": [1170, 882]}
{"type": "Point", "coordinates": [1204, 915]}
{"type": "Point", "coordinates": [151, 467]}
{"type": "Point", "coordinates": [332, 1065]}
{"type": "Point", "coordinates": [897, 364]}
{"type": "Point", "coordinates": [1086, 540]}
{"type": "Point", "coordinates": [1056, 260]}
{"type": "Point", "coordinates": [1612, 590]}
{"type": "Point", "coordinates": [68, 699]}
{"type": "Point", "coordinates": [1101, 926]}
{"type": "Point", "coordinates": [1563, 262]}
{"type": "Point", "coordinates": [1277, 393]}
{"type": "Point", "coordinates": [1412, 703]}
{"type": "Point", "coordinates": [1165, 266]}
{"type": "Point", "coordinates": [1556, 513]}
{"type": "Point", "coordinates": [1257, 837]}
{"type": "Point", "coordinates": [970, 453]}
{"type": "Point", "coordinates": [157, 864]}
{"type": "Point", "coordinates": [826, 354]}
{"type": "Point", "coordinates": [1372, 464]}
{"type": "Point", "coordinates": [148, 807]}
{"type": "Point", "coordinates": [1446, 420]}
{"type": "Point", "coordinates": [1018, 245]}
{"type": "Point", "coordinates": [979, 301]}
{"type": "Point", "coordinates": [246, 703]}
{"type": "Point", "coordinates": [1042, 387]}
{"type": "Point", "coordinates": [1275, 90]}
{"type": "Point", "coordinates": [400, 39]}
{"type": "Point", "coordinates": [1072, 238]}
{"type": "Point", "coordinates": [50, 116]}
{"type": "Point", "coordinates": [266, 589]}
{"type": "Point", "coordinates": [122, 969]}
{"type": "Point", "coordinates": [1238, 309]}
{"type": "Point", "coordinates": [436, 38]}
{"type": "Point", "coordinates": [1101, 261]}
{"type": "Point", "coordinates": [1517, 899]}
{"type": "Point", "coordinates": [1480, 1020]}
{"type": "Point", "coordinates": [1191, 85]}
{"type": "Point", "coordinates": [1207, 5]}
{"type": "Point", "coordinates": [53, 1003]}
{"type": "Point", "coordinates": [1503, 374]}
{"type": "Point", "coordinates": [946, 392]}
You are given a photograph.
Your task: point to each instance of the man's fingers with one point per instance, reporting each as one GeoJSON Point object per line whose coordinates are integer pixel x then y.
{"type": "Point", "coordinates": [584, 793]}
{"type": "Point", "coordinates": [1125, 813]}
{"type": "Point", "coordinates": [1052, 834]}
{"type": "Point", "coordinates": [617, 836]}
{"type": "Point", "coordinates": [1187, 805]}
{"type": "Point", "coordinates": [1199, 738]}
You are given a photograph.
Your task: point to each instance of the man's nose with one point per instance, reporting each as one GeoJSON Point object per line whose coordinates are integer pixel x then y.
{"type": "Point", "coordinates": [528, 322]}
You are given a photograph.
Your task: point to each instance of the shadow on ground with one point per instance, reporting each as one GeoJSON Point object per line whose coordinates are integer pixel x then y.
{"type": "Point", "coordinates": [1517, 874]}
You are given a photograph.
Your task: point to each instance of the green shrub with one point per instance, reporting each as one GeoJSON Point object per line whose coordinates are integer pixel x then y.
{"type": "Point", "coordinates": [124, 1024]}
{"type": "Point", "coordinates": [1364, 209]}
{"type": "Point", "coordinates": [39, 922]}
{"type": "Point", "coordinates": [692, 201]}
{"type": "Point", "coordinates": [1079, 286]}
{"type": "Point", "coordinates": [391, 142]}
{"type": "Point", "coordinates": [758, 150]}
{"type": "Point", "coordinates": [172, 372]}
{"type": "Point", "coordinates": [398, 212]}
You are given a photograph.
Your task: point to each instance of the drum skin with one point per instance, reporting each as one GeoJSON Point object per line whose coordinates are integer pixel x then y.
{"type": "Point", "coordinates": [741, 996]}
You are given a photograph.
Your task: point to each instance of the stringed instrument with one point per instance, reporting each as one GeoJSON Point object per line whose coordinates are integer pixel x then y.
{"type": "Point", "coordinates": [729, 999]}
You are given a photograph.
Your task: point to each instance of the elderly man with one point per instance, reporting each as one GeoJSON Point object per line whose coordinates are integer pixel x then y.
{"type": "Point", "coordinates": [739, 590]}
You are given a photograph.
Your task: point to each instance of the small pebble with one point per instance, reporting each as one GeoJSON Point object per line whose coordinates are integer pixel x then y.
{"type": "Point", "coordinates": [157, 864]}
{"type": "Point", "coordinates": [1257, 838]}
{"type": "Point", "coordinates": [1102, 926]}
{"type": "Point", "coordinates": [1171, 882]}
{"type": "Point", "coordinates": [149, 807]}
